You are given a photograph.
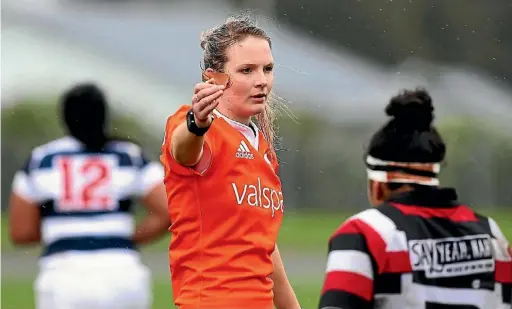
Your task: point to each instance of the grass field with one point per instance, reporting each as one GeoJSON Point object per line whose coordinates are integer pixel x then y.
{"type": "Point", "coordinates": [18, 295]}
{"type": "Point", "coordinates": [301, 233]}
{"type": "Point", "coordinates": [292, 235]}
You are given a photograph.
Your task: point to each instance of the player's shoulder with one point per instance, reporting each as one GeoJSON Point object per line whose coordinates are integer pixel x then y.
{"type": "Point", "coordinates": [369, 221]}
{"type": "Point", "coordinates": [65, 143]}
{"type": "Point", "coordinates": [496, 231]}
{"type": "Point", "coordinates": [488, 223]}
{"type": "Point", "coordinates": [501, 246]}
{"type": "Point", "coordinates": [125, 146]}
{"type": "Point", "coordinates": [53, 147]}
{"type": "Point", "coordinates": [374, 218]}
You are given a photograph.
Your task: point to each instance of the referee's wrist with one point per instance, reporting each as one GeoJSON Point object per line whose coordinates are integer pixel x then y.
{"type": "Point", "coordinates": [203, 123]}
{"type": "Point", "coordinates": [198, 129]}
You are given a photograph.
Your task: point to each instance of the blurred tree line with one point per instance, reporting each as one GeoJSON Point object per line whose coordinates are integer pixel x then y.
{"type": "Point", "coordinates": [471, 32]}
{"type": "Point", "coordinates": [321, 163]}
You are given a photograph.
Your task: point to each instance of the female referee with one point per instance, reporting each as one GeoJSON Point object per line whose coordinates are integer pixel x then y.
{"type": "Point", "coordinates": [224, 194]}
{"type": "Point", "coordinates": [419, 248]}
{"type": "Point", "coordinates": [74, 197]}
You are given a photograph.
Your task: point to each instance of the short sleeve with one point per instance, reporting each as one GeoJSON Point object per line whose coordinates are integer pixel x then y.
{"type": "Point", "coordinates": [503, 258]}
{"type": "Point", "coordinates": [150, 174]}
{"type": "Point", "coordinates": [166, 157]}
{"type": "Point", "coordinates": [350, 269]}
{"type": "Point", "coordinates": [25, 184]}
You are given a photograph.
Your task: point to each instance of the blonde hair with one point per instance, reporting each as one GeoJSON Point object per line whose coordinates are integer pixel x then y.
{"type": "Point", "coordinates": [267, 122]}
{"type": "Point", "coordinates": [217, 40]}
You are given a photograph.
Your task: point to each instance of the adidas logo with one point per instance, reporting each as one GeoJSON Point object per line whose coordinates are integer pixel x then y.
{"type": "Point", "coordinates": [244, 152]}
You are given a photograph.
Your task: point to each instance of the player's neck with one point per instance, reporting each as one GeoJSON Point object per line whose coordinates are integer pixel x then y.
{"type": "Point", "coordinates": [228, 113]}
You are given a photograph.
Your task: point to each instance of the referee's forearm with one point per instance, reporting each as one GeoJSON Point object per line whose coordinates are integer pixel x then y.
{"type": "Point", "coordinates": [186, 147]}
{"type": "Point", "coordinates": [284, 296]}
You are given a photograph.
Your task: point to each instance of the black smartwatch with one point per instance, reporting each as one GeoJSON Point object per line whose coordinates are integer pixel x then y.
{"type": "Point", "coordinates": [192, 126]}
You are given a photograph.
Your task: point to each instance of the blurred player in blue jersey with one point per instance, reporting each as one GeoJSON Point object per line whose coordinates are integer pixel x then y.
{"type": "Point", "coordinates": [74, 197]}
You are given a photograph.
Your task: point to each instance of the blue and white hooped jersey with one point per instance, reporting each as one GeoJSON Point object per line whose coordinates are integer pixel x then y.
{"type": "Point", "coordinates": [85, 197]}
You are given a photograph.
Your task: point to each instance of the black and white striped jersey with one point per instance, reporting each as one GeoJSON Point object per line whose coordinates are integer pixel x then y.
{"type": "Point", "coordinates": [419, 250]}
{"type": "Point", "coordinates": [85, 197]}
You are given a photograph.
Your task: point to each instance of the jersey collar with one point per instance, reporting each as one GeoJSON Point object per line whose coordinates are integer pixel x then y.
{"type": "Point", "coordinates": [251, 135]}
{"type": "Point", "coordinates": [434, 197]}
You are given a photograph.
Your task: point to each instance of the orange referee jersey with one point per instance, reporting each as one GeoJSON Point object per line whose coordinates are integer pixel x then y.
{"type": "Point", "coordinates": [225, 220]}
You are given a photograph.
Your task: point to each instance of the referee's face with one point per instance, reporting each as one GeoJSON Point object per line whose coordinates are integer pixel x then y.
{"type": "Point", "coordinates": [250, 66]}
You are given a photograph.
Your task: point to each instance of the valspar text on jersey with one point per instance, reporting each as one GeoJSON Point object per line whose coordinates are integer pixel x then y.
{"type": "Point", "coordinates": [257, 195]}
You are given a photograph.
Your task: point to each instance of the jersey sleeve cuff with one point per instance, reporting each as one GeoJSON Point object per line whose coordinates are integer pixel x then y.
{"type": "Point", "coordinates": [151, 175]}
{"type": "Point", "coordinates": [23, 187]}
{"type": "Point", "coordinates": [200, 168]}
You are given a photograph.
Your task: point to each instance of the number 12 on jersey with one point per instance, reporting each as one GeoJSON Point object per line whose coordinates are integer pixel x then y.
{"type": "Point", "coordinates": [86, 183]}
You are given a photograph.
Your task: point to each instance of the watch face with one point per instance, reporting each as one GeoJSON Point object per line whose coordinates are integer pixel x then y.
{"type": "Point", "coordinates": [192, 127]}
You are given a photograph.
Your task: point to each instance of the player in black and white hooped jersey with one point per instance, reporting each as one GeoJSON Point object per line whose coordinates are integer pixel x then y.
{"type": "Point", "coordinates": [419, 248]}
{"type": "Point", "coordinates": [74, 197]}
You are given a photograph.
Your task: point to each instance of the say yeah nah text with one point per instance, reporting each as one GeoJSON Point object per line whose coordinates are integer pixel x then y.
{"type": "Point", "coordinates": [258, 196]}
{"type": "Point", "coordinates": [449, 257]}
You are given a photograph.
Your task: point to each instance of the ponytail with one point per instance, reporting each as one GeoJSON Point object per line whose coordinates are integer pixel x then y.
{"type": "Point", "coordinates": [84, 109]}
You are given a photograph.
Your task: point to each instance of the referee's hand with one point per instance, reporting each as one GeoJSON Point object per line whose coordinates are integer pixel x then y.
{"type": "Point", "coordinates": [204, 101]}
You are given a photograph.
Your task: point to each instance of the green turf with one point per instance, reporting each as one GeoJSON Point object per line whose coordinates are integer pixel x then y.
{"type": "Point", "coordinates": [19, 294]}
{"type": "Point", "coordinates": [303, 231]}
{"type": "Point", "coordinates": [292, 234]}
{"type": "Point", "coordinates": [300, 232]}
{"type": "Point", "coordinates": [310, 230]}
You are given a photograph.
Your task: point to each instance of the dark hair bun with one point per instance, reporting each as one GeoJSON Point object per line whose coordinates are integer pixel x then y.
{"type": "Point", "coordinates": [411, 110]}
